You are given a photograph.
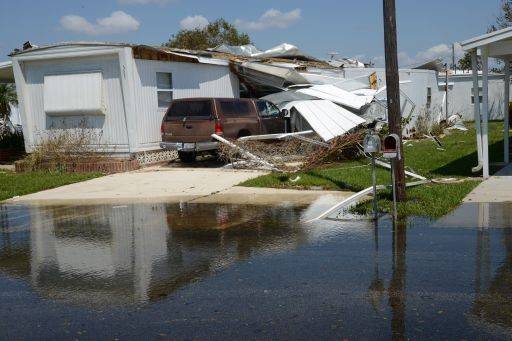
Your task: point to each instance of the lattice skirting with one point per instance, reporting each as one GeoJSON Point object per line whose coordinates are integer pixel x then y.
{"type": "Point", "coordinates": [155, 156]}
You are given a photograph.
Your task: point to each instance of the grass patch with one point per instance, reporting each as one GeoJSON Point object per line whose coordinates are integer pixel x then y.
{"type": "Point", "coordinates": [13, 184]}
{"type": "Point", "coordinates": [422, 157]}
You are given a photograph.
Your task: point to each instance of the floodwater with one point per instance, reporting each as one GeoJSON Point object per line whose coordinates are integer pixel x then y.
{"type": "Point", "coordinates": [198, 271]}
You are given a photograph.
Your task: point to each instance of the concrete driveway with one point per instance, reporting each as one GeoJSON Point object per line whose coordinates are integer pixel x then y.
{"type": "Point", "coordinates": [173, 183]}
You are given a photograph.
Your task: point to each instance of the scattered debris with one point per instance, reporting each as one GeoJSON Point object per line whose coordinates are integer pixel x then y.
{"type": "Point", "coordinates": [455, 123]}
{"type": "Point", "coordinates": [435, 139]}
{"type": "Point", "coordinates": [291, 154]}
{"type": "Point", "coordinates": [245, 153]}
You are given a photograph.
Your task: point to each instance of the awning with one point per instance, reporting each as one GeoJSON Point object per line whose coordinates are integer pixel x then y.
{"type": "Point", "coordinates": [6, 73]}
{"type": "Point", "coordinates": [326, 118]}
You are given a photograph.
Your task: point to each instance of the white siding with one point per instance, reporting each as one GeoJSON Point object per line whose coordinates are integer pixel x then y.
{"type": "Point", "coordinates": [189, 80]}
{"type": "Point", "coordinates": [112, 124]}
{"type": "Point", "coordinates": [459, 97]}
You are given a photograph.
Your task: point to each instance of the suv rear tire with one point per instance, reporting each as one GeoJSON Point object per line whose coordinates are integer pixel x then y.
{"type": "Point", "coordinates": [187, 157]}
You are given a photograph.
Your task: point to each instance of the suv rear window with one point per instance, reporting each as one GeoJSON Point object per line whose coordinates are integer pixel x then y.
{"type": "Point", "coordinates": [194, 110]}
{"type": "Point", "coordinates": [235, 108]}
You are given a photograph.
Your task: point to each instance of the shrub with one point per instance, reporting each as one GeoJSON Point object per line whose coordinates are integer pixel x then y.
{"type": "Point", "coordinates": [12, 140]}
{"type": "Point", "coordinates": [60, 148]}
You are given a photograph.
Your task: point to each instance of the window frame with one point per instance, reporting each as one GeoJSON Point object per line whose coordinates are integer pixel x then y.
{"type": "Point", "coordinates": [165, 90]}
{"type": "Point", "coordinates": [429, 97]}
{"type": "Point", "coordinates": [480, 95]}
{"type": "Point", "coordinates": [267, 109]}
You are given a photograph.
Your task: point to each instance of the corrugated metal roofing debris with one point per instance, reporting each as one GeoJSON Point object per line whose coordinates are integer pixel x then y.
{"type": "Point", "coordinates": [435, 65]}
{"type": "Point", "coordinates": [336, 95]}
{"type": "Point", "coordinates": [326, 118]}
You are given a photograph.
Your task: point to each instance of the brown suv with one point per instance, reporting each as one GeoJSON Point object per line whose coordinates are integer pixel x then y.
{"type": "Point", "coordinates": [189, 123]}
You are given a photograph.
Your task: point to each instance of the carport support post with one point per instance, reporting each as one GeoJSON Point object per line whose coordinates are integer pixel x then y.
{"type": "Point", "coordinates": [506, 100]}
{"type": "Point", "coordinates": [476, 105]}
{"type": "Point", "coordinates": [393, 93]}
{"type": "Point", "coordinates": [485, 111]}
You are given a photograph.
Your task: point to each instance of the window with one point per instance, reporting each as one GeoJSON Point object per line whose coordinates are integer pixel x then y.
{"type": "Point", "coordinates": [164, 89]}
{"type": "Point", "coordinates": [192, 110]}
{"type": "Point", "coordinates": [73, 94]}
{"type": "Point", "coordinates": [235, 108]}
{"type": "Point", "coordinates": [267, 109]}
{"type": "Point", "coordinates": [429, 97]}
{"type": "Point", "coordinates": [480, 97]}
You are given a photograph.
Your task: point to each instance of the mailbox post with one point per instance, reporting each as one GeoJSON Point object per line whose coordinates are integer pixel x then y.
{"type": "Point", "coordinates": [371, 146]}
{"type": "Point", "coordinates": [391, 150]}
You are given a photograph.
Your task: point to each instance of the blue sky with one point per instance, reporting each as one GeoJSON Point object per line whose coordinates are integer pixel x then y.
{"type": "Point", "coordinates": [352, 28]}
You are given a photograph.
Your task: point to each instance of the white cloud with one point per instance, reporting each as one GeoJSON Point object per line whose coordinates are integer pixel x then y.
{"type": "Point", "coordinates": [193, 22]}
{"type": "Point", "coordinates": [118, 22]}
{"type": "Point", "coordinates": [142, 2]}
{"type": "Point", "coordinates": [441, 51]}
{"type": "Point", "coordinates": [272, 18]}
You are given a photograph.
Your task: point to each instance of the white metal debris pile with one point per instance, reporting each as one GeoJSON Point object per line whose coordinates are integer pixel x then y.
{"type": "Point", "coordinates": [326, 118]}
{"type": "Point", "coordinates": [317, 97]}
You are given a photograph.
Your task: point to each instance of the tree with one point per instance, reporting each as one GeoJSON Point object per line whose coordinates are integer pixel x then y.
{"type": "Point", "coordinates": [7, 98]}
{"type": "Point", "coordinates": [503, 20]}
{"type": "Point", "coordinates": [214, 34]}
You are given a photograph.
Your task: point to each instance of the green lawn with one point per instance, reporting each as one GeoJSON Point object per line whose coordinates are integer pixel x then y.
{"type": "Point", "coordinates": [422, 157]}
{"type": "Point", "coordinates": [13, 184]}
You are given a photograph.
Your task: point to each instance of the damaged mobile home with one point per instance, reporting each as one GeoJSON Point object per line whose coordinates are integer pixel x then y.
{"type": "Point", "coordinates": [123, 90]}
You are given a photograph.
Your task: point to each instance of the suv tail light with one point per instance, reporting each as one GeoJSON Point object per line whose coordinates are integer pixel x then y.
{"type": "Point", "coordinates": [162, 128]}
{"type": "Point", "coordinates": [218, 128]}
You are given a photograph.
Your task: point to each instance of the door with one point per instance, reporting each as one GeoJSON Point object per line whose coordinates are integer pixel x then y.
{"type": "Point", "coordinates": [189, 121]}
{"type": "Point", "coordinates": [238, 117]}
{"type": "Point", "coordinates": [271, 120]}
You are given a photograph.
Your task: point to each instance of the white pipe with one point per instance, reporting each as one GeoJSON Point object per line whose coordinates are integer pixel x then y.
{"type": "Point", "coordinates": [274, 136]}
{"type": "Point", "coordinates": [411, 174]}
{"type": "Point", "coordinates": [353, 198]}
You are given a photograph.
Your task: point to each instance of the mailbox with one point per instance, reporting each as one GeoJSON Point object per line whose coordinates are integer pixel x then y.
{"type": "Point", "coordinates": [371, 143]}
{"type": "Point", "coordinates": [391, 147]}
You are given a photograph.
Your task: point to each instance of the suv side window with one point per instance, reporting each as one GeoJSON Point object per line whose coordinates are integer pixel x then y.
{"type": "Point", "coordinates": [235, 108]}
{"type": "Point", "coordinates": [267, 109]}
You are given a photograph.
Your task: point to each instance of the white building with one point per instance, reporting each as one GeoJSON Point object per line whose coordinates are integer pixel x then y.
{"type": "Point", "coordinates": [426, 88]}
{"type": "Point", "coordinates": [120, 91]}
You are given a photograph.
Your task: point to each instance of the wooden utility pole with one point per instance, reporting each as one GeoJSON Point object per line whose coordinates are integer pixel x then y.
{"type": "Point", "coordinates": [393, 92]}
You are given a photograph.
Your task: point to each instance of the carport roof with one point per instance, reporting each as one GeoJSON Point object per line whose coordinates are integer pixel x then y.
{"type": "Point", "coordinates": [498, 43]}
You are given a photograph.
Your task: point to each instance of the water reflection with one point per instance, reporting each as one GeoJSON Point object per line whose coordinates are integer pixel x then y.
{"type": "Point", "coordinates": [388, 276]}
{"type": "Point", "coordinates": [397, 300]}
{"type": "Point", "coordinates": [493, 302]}
{"type": "Point", "coordinates": [135, 253]}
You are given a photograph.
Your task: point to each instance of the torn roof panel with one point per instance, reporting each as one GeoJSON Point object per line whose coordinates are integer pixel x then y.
{"type": "Point", "coordinates": [326, 118]}
{"type": "Point", "coordinates": [282, 98]}
{"type": "Point", "coordinates": [284, 51]}
{"type": "Point", "coordinates": [268, 75]}
{"type": "Point", "coordinates": [336, 95]}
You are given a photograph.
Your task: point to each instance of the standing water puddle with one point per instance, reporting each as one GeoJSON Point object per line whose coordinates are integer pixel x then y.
{"type": "Point", "coordinates": [211, 271]}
